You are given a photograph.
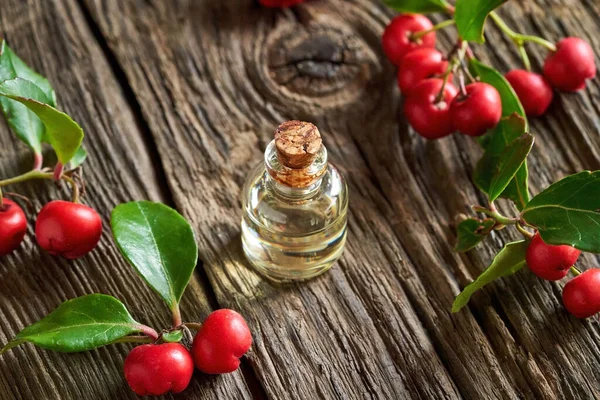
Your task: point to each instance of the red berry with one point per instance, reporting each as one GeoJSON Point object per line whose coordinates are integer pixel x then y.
{"type": "Point", "coordinates": [550, 262]}
{"type": "Point", "coordinates": [532, 89]}
{"type": "Point", "coordinates": [581, 295]}
{"type": "Point", "coordinates": [418, 65]}
{"type": "Point", "coordinates": [396, 37]}
{"type": "Point", "coordinates": [222, 340]}
{"type": "Point", "coordinates": [476, 112]}
{"type": "Point", "coordinates": [13, 225]}
{"type": "Point", "coordinates": [280, 3]}
{"type": "Point", "coordinates": [68, 229]}
{"type": "Point", "coordinates": [156, 369]}
{"type": "Point", "coordinates": [570, 65]}
{"type": "Point", "coordinates": [429, 118]}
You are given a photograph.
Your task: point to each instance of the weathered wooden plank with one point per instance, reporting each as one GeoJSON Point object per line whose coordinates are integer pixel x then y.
{"type": "Point", "coordinates": [54, 37]}
{"type": "Point", "coordinates": [350, 334]}
{"type": "Point", "coordinates": [214, 78]}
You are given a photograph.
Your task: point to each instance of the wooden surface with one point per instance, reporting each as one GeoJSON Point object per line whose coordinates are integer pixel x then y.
{"type": "Point", "coordinates": [179, 99]}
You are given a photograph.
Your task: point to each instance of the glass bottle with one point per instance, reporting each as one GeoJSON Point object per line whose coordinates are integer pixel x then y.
{"type": "Point", "coordinates": [294, 207]}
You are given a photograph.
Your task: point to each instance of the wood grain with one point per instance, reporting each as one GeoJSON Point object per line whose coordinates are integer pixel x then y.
{"type": "Point", "coordinates": [55, 39]}
{"type": "Point", "coordinates": [188, 92]}
{"type": "Point", "coordinates": [224, 74]}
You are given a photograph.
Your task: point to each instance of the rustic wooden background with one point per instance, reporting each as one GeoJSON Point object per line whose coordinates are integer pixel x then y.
{"type": "Point", "coordinates": [178, 100]}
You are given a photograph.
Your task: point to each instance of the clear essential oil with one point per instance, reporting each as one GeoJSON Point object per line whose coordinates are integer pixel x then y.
{"type": "Point", "coordinates": [294, 207]}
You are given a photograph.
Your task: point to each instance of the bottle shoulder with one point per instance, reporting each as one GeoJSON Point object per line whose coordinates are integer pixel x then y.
{"type": "Point", "coordinates": [265, 206]}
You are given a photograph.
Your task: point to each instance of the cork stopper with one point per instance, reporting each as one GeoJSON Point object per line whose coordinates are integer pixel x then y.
{"type": "Point", "coordinates": [297, 143]}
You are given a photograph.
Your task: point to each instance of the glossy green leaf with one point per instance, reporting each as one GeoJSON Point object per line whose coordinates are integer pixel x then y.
{"type": "Point", "coordinates": [568, 212]}
{"type": "Point", "coordinates": [472, 231]}
{"type": "Point", "coordinates": [511, 159]}
{"type": "Point", "coordinates": [470, 17]}
{"type": "Point", "coordinates": [499, 137]}
{"type": "Point", "coordinates": [78, 159]}
{"type": "Point", "coordinates": [80, 324]}
{"type": "Point", "coordinates": [508, 261]}
{"type": "Point", "coordinates": [499, 159]}
{"type": "Point", "coordinates": [159, 243]}
{"type": "Point", "coordinates": [173, 337]}
{"type": "Point", "coordinates": [22, 70]}
{"type": "Point", "coordinates": [418, 6]}
{"type": "Point", "coordinates": [63, 134]}
{"type": "Point", "coordinates": [23, 122]}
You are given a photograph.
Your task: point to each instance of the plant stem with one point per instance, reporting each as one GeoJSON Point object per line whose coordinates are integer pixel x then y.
{"type": "Point", "coordinates": [193, 325]}
{"type": "Point", "coordinates": [38, 161]}
{"type": "Point", "coordinates": [40, 174]}
{"type": "Point", "coordinates": [528, 235]}
{"type": "Point", "coordinates": [525, 58]}
{"type": "Point", "coordinates": [493, 213]}
{"type": "Point", "coordinates": [133, 339]}
{"type": "Point", "coordinates": [58, 171]}
{"type": "Point", "coordinates": [575, 271]}
{"type": "Point", "coordinates": [176, 316]}
{"type": "Point", "coordinates": [418, 35]}
{"type": "Point", "coordinates": [150, 332]}
{"type": "Point", "coordinates": [440, 95]}
{"type": "Point", "coordinates": [518, 38]}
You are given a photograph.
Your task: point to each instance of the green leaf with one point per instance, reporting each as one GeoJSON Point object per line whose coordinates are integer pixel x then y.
{"type": "Point", "coordinates": [78, 159]}
{"type": "Point", "coordinates": [510, 101]}
{"type": "Point", "coordinates": [499, 137]}
{"type": "Point", "coordinates": [568, 212]}
{"type": "Point", "coordinates": [173, 337]}
{"type": "Point", "coordinates": [22, 70]}
{"type": "Point", "coordinates": [508, 261]}
{"type": "Point", "coordinates": [472, 231]}
{"type": "Point", "coordinates": [511, 159]}
{"type": "Point", "coordinates": [159, 243]}
{"type": "Point", "coordinates": [63, 134]}
{"type": "Point", "coordinates": [80, 324]}
{"type": "Point", "coordinates": [418, 6]}
{"type": "Point", "coordinates": [470, 17]}
{"type": "Point", "coordinates": [497, 163]}
{"type": "Point", "coordinates": [24, 123]}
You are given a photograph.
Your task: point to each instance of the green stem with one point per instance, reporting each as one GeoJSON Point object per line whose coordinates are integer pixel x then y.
{"type": "Point", "coordinates": [525, 58]}
{"type": "Point", "coordinates": [575, 271]}
{"type": "Point", "coordinates": [176, 316]}
{"type": "Point", "coordinates": [193, 325]}
{"type": "Point", "coordinates": [418, 35]}
{"type": "Point", "coordinates": [133, 339]}
{"type": "Point", "coordinates": [528, 235]}
{"type": "Point", "coordinates": [446, 76]}
{"type": "Point", "coordinates": [496, 215]}
{"type": "Point", "coordinates": [40, 174]}
{"type": "Point", "coordinates": [518, 38]}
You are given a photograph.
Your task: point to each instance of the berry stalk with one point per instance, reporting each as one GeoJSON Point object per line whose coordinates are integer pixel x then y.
{"type": "Point", "coordinates": [418, 35]}
{"type": "Point", "coordinates": [518, 38]}
{"type": "Point", "coordinates": [42, 174]}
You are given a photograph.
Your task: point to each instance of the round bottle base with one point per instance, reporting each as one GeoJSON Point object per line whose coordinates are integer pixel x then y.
{"type": "Point", "coordinates": [291, 272]}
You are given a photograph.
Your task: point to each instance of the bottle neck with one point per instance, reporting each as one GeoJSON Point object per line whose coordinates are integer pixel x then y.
{"type": "Point", "coordinates": [293, 182]}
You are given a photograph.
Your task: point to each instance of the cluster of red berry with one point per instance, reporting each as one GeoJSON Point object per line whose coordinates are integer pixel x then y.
{"type": "Point", "coordinates": [435, 107]}
{"type": "Point", "coordinates": [156, 369]}
{"type": "Point", "coordinates": [62, 228]}
{"type": "Point", "coordinates": [580, 295]}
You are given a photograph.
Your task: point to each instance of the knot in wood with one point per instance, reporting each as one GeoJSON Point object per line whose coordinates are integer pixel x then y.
{"type": "Point", "coordinates": [317, 61]}
{"type": "Point", "coordinates": [297, 143]}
